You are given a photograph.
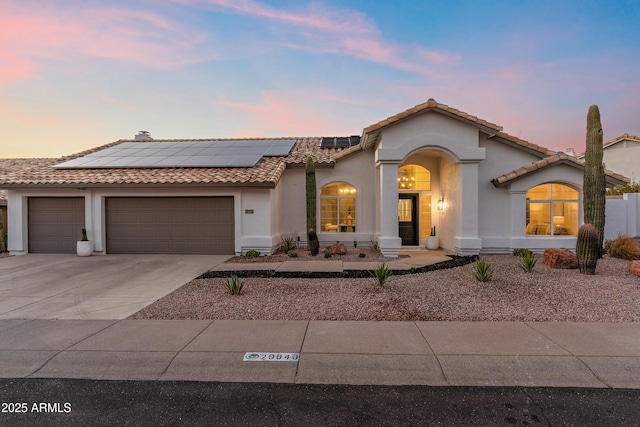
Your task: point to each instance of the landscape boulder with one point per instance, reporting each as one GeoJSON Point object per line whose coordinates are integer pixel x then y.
{"type": "Point", "coordinates": [560, 258]}
{"type": "Point", "coordinates": [634, 267]}
{"type": "Point", "coordinates": [337, 249]}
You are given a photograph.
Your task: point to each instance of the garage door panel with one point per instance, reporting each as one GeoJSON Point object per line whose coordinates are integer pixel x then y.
{"type": "Point", "coordinates": [170, 225]}
{"type": "Point", "coordinates": [55, 224]}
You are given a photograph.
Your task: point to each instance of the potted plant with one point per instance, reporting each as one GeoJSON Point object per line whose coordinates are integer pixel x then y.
{"type": "Point", "coordinates": [432, 240]}
{"type": "Point", "coordinates": [84, 247]}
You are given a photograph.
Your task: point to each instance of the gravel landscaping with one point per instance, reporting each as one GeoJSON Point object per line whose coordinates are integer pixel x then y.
{"type": "Point", "coordinates": [546, 294]}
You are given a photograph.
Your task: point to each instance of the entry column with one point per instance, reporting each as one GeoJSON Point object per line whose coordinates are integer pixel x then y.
{"type": "Point", "coordinates": [389, 239]}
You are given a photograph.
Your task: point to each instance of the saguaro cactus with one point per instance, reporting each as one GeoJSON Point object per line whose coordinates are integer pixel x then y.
{"type": "Point", "coordinates": [587, 249]}
{"type": "Point", "coordinates": [311, 195]}
{"type": "Point", "coordinates": [594, 178]}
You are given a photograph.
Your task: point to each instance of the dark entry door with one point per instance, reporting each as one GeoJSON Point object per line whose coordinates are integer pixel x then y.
{"type": "Point", "coordinates": [407, 215]}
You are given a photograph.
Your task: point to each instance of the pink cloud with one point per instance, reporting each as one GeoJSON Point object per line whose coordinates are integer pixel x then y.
{"type": "Point", "coordinates": [340, 31]}
{"type": "Point", "coordinates": [28, 33]}
{"type": "Point", "coordinates": [303, 112]}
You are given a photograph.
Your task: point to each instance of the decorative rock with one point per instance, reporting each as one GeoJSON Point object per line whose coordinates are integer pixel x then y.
{"type": "Point", "coordinates": [560, 258]}
{"type": "Point", "coordinates": [337, 249]}
{"type": "Point", "coordinates": [634, 267]}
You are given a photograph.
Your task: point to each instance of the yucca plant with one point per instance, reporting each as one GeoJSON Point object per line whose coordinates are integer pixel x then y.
{"type": "Point", "coordinates": [482, 270]}
{"type": "Point", "coordinates": [381, 275]}
{"type": "Point", "coordinates": [288, 243]}
{"type": "Point", "coordinates": [527, 261]}
{"type": "Point", "coordinates": [233, 286]}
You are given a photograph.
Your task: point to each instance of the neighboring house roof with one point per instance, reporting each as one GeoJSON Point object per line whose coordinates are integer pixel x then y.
{"type": "Point", "coordinates": [8, 166]}
{"type": "Point", "coordinates": [613, 179]}
{"type": "Point", "coordinates": [371, 134]}
{"type": "Point", "coordinates": [267, 171]}
{"type": "Point", "coordinates": [614, 141]}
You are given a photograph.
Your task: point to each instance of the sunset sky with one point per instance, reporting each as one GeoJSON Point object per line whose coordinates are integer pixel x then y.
{"type": "Point", "coordinates": [78, 74]}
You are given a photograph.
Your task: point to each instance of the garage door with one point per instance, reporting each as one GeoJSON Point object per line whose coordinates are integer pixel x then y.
{"type": "Point", "coordinates": [55, 224]}
{"type": "Point", "coordinates": [170, 225]}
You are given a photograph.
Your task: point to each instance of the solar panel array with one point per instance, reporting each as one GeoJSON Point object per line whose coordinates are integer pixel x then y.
{"type": "Point", "coordinates": [339, 141]}
{"type": "Point", "coordinates": [166, 154]}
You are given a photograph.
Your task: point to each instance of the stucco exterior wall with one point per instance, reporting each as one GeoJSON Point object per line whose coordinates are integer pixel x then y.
{"type": "Point", "coordinates": [357, 170]}
{"type": "Point", "coordinates": [624, 158]}
{"type": "Point", "coordinates": [494, 214]}
{"type": "Point", "coordinates": [450, 218]}
{"type": "Point", "coordinates": [432, 130]}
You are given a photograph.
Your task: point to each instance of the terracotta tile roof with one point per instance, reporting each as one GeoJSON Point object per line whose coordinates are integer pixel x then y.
{"type": "Point", "coordinates": [16, 165]}
{"type": "Point", "coordinates": [267, 171]}
{"type": "Point", "coordinates": [371, 133]}
{"type": "Point", "coordinates": [613, 178]}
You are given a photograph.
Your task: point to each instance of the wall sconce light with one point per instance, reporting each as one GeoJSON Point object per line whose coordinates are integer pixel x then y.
{"type": "Point", "coordinates": [441, 203]}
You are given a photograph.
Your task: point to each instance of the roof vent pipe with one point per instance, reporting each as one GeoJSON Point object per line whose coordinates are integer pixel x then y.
{"type": "Point", "coordinates": [143, 135]}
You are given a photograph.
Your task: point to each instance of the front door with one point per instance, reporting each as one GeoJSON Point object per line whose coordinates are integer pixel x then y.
{"type": "Point", "coordinates": [407, 218]}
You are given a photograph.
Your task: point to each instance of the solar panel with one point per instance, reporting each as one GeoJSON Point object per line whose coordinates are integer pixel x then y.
{"type": "Point", "coordinates": [160, 154]}
{"type": "Point", "coordinates": [339, 141]}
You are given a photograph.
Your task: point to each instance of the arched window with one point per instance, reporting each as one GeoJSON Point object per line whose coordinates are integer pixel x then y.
{"type": "Point", "coordinates": [414, 177]}
{"type": "Point", "coordinates": [553, 209]}
{"type": "Point", "coordinates": [338, 207]}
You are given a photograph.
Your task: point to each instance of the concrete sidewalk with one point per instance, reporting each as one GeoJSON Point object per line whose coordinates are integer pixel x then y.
{"type": "Point", "coordinates": [545, 354]}
{"type": "Point", "coordinates": [416, 259]}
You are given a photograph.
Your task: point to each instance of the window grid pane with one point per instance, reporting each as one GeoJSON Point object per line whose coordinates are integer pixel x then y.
{"type": "Point", "coordinates": [552, 209]}
{"type": "Point", "coordinates": [338, 208]}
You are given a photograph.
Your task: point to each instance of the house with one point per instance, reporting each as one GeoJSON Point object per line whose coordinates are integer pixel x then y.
{"type": "Point", "coordinates": [622, 154]}
{"type": "Point", "coordinates": [12, 165]}
{"type": "Point", "coordinates": [483, 190]}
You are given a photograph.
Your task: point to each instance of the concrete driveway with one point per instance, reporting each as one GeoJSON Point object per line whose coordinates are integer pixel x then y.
{"type": "Point", "coordinates": [39, 286]}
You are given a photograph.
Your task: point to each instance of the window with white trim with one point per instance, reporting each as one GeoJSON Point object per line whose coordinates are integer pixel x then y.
{"type": "Point", "coordinates": [553, 209]}
{"type": "Point", "coordinates": [338, 208]}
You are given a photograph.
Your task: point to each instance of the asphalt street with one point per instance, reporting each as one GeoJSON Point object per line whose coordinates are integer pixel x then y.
{"type": "Point", "coordinates": [53, 402]}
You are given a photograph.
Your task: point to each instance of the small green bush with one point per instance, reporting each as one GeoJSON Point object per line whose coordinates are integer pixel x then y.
{"type": "Point", "coordinates": [483, 270]}
{"type": "Point", "coordinates": [381, 275]}
{"type": "Point", "coordinates": [293, 254]}
{"type": "Point", "coordinates": [528, 261]}
{"type": "Point", "coordinates": [252, 253]}
{"type": "Point", "coordinates": [522, 252]}
{"type": "Point", "coordinates": [633, 187]}
{"type": "Point", "coordinates": [327, 255]}
{"type": "Point", "coordinates": [233, 286]}
{"type": "Point", "coordinates": [374, 245]}
{"type": "Point", "coordinates": [622, 247]}
{"type": "Point", "coordinates": [362, 255]}
{"type": "Point", "coordinates": [287, 243]}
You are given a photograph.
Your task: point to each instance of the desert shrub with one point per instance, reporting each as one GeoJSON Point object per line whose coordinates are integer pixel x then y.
{"type": "Point", "coordinates": [522, 252]}
{"type": "Point", "coordinates": [287, 243]}
{"type": "Point", "coordinates": [233, 285]}
{"type": "Point", "coordinates": [374, 245]}
{"type": "Point", "coordinates": [527, 261]}
{"type": "Point", "coordinates": [252, 254]}
{"type": "Point", "coordinates": [633, 187]}
{"type": "Point", "coordinates": [293, 254]}
{"type": "Point", "coordinates": [482, 270]}
{"type": "Point", "coordinates": [362, 255]}
{"type": "Point", "coordinates": [381, 275]}
{"type": "Point", "coordinates": [327, 254]}
{"type": "Point", "coordinates": [622, 247]}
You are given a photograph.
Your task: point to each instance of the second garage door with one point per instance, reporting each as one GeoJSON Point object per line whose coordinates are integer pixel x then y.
{"type": "Point", "coordinates": [170, 225]}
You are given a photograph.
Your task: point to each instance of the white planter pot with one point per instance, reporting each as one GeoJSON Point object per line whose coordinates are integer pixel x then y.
{"type": "Point", "coordinates": [433, 243]}
{"type": "Point", "coordinates": [84, 248]}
